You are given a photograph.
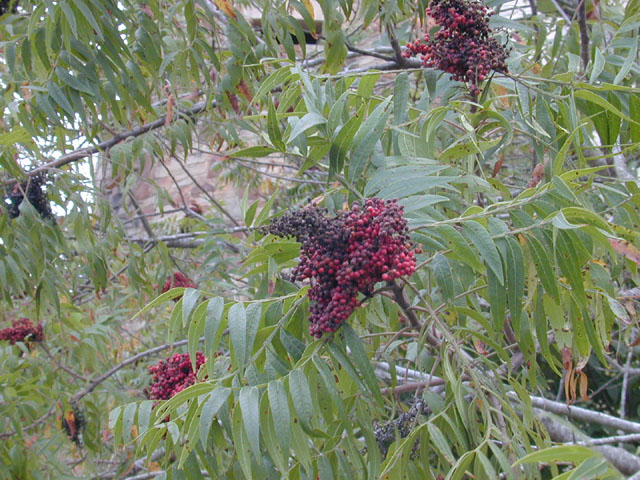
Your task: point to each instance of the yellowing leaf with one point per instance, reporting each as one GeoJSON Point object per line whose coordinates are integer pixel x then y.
{"type": "Point", "coordinates": [307, 3]}
{"type": "Point", "coordinates": [226, 7]}
{"type": "Point", "coordinates": [584, 383]}
{"type": "Point", "coordinates": [626, 249]}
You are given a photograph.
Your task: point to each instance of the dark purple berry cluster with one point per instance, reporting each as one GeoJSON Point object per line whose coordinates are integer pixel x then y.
{"type": "Point", "coordinates": [73, 423]}
{"type": "Point", "coordinates": [178, 279]}
{"type": "Point", "coordinates": [462, 47]}
{"type": "Point", "coordinates": [173, 375]}
{"type": "Point", "coordinates": [346, 254]}
{"type": "Point", "coordinates": [36, 196]}
{"type": "Point", "coordinates": [22, 330]}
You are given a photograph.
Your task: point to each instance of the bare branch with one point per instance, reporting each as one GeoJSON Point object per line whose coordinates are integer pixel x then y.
{"type": "Point", "coordinates": [624, 461]}
{"type": "Point", "coordinates": [146, 476]}
{"type": "Point", "coordinates": [397, 49]}
{"type": "Point", "coordinates": [631, 438]}
{"type": "Point", "coordinates": [217, 204]}
{"type": "Point", "coordinates": [581, 414]}
{"type": "Point", "coordinates": [83, 153]}
{"type": "Point", "coordinates": [584, 33]}
{"type": "Point", "coordinates": [123, 364]}
{"type": "Point", "coordinates": [561, 11]}
{"type": "Point", "coordinates": [410, 63]}
{"type": "Point", "coordinates": [401, 300]}
{"type": "Point", "coordinates": [369, 53]}
{"type": "Point", "coordinates": [410, 387]}
{"type": "Point", "coordinates": [625, 385]}
{"type": "Point", "coordinates": [182, 239]}
{"type": "Point", "coordinates": [75, 375]}
{"type": "Point", "coordinates": [281, 177]}
{"type": "Point", "coordinates": [33, 425]}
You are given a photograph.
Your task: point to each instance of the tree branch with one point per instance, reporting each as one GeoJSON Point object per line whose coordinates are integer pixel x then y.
{"type": "Point", "coordinates": [369, 53]}
{"type": "Point", "coordinates": [180, 236]}
{"type": "Point", "coordinates": [409, 63]}
{"type": "Point", "coordinates": [123, 364]}
{"type": "Point", "coordinates": [401, 300]}
{"type": "Point", "coordinates": [630, 438]}
{"type": "Point", "coordinates": [624, 461]}
{"type": "Point", "coordinates": [584, 33]}
{"type": "Point", "coordinates": [397, 49]}
{"type": "Point", "coordinates": [32, 425]}
{"type": "Point", "coordinates": [75, 375]}
{"type": "Point", "coordinates": [107, 144]}
{"type": "Point", "coordinates": [217, 204]}
{"type": "Point", "coordinates": [581, 414]}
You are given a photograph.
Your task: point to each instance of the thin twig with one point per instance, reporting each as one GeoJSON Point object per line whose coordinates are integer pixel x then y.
{"type": "Point", "coordinates": [631, 438]}
{"type": "Point", "coordinates": [123, 364]}
{"type": "Point", "coordinates": [401, 300]}
{"type": "Point", "coordinates": [625, 385]}
{"type": "Point", "coordinates": [281, 177]}
{"type": "Point", "coordinates": [82, 153]}
{"type": "Point", "coordinates": [145, 223]}
{"type": "Point", "coordinates": [75, 375]}
{"type": "Point", "coordinates": [33, 425]}
{"type": "Point", "coordinates": [581, 414]}
{"type": "Point", "coordinates": [217, 204]}
{"type": "Point", "coordinates": [369, 53]}
{"type": "Point", "coordinates": [584, 33]}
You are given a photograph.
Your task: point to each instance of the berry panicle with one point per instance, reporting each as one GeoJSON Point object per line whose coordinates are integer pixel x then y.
{"type": "Point", "coordinates": [178, 279]}
{"type": "Point", "coordinates": [22, 330]}
{"type": "Point", "coordinates": [36, 196]}
{"type": "Point", "coordinates": [173, 375]}
{"type": "Point", "coordinates": [463, 46]}
{"type": "Point", "coordinates": [346, 255]}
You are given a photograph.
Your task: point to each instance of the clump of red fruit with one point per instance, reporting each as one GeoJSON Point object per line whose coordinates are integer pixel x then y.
{"type": "Point", "coordinates": [22, 330]}
{"type": "Point", "coordinates": [173, 375]}
{"type": "Point", "coordinates": [462, 47]}
{"type": "Point", "coordinates": [178, 279]}
{"type": "Point", "coordinates": [346, 255]}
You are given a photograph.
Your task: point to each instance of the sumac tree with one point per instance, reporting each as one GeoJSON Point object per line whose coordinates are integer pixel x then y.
{"type": "Point", "coordinates": [412, 251]}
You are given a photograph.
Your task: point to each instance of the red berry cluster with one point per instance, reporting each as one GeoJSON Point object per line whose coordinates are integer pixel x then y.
{"type": "Point", "coordinates": [346, 254]}
{"type": "Point", "coordinates": [462, 46]}
{"type": "Point", "coordinates": [22, 330]}
{"type": "Point", "coordinates": [178, 279]}
{"type": "Point", "coordinates": [173, 375]}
